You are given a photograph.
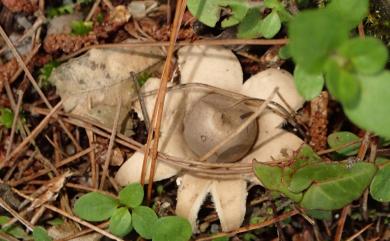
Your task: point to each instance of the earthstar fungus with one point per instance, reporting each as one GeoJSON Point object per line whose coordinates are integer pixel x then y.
{"type": "Point", "coordinates": [195, 120]}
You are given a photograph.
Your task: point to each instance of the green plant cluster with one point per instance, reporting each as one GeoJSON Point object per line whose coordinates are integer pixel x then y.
{"type": "Point", "coordinates": [66, 8]}
{"type": "Point", "coordinates": [127, 213]}
{"type": "Point", "coordinates": [248, 16]}
{"type": "Point", "coordinates": [351, 67]}
{"type": "Point", "coordinates": [320, 186]}
{"type": "Point", "coordinates": [6, 117]}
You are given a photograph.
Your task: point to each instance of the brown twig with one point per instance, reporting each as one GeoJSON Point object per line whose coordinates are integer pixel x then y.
{"type": "Point", "coordinates": [210, 42]}
{"type": "Point", "coordinates": [340, 224]}
{"type": "Point", "coordinates": [359, 232]}
{"type": "Point", "coordinates": [154, 131]}
{"type": "Point", "coordinates": [13, 129]}
{"type": "Point", "coordinates": [111, 143]}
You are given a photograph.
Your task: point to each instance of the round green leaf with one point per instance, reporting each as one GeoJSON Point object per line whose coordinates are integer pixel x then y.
{"type": "Point", "coordinates": [95, 207]}
{"type": "Point", "coordinates": [144, 219]}
{"type": "Point", "coordinates": [250, 25]}
{"type": "Point", "coordinates": [270, 25]}
{"type": "Point", "coordinates": [132, 195]}
{"type": "Point", "coordinates": [372, 111]}
{"type": "Point", "coordinates": [338, 139]}
{"type": "Point", "coordinates": [308, 85]}
{"type": "Point", "coordinates": [380, 185]}
{"type": "Point", "coordinates": [368, 55]}
{"type": "Point", "coordinates": [172, 228]}
{"type": "Point", "coordinates": [120, 222]}
{"type": "Point", "coordinates": [40, 234]}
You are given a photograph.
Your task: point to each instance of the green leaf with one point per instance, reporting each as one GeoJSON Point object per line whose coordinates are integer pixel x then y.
{"type": "Point", "coordinates": [319, 214]}
{"type": "Point", "coordinates": [208, 11]}
{"type": "Point", "coordinates": [313, 36]}
{"type": "Point", "coordinates": [120, 222]}
{"type": "Point", "coordinates": [372, 111]}
{"type": "Point", "coordinates": [95, 207]}
{"type": "Point", "coordinates": [64, 9]}
{"type": "Point", "coordinates": [270, 25]}
{"type": "Point", "coordinates": [342, 84]}
{"type": "Point", "coordinates": [132, 195]}
{"type": "Point", "coordinates": [380, 185]}
{"type": "Point", "coordinates": [275, 178]}
{"type": "Point", "coordinates": [239, 10]}
{"type": "Point", "coordinates": [81, 27]}
{"type": "Point", "coordinates": [368, 55]}
{"type": "Point", "coordinates": [350, 11]}
{"type": "Point", "coordinates": [250, 27]}
{"type": "Point", "coordinates": [333, 185]}
{"type": "Point", "coordinates": [276, 5]}
{"type": "Point", "coordinates": [172, 228]}
{"type": "Point", "coordinates": [338, 139]}
{"type": "Point", "coordinates": [143, 219]}
{"type": "Point", "coordinates": [40, 234]}
{"type": "Point", "coordinates": [16, 231]}
{"type": "Point", "coordinates": [6, 117]}
{"type": "Point", "coordinates": [4, 219]}
{"type": "Point", "coordinates": [309, 85]}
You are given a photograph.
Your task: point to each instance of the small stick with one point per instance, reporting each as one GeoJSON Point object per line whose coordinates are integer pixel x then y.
{"type": "Point", "coordinates": [93, 9]}
{"type": "Point", "coordinates": [239, 129]}
{"type": "Point", "coordinates": [141, 100]}
{"type": "Point", "coordinates": [154, 132]}
{"type": "Point", "coordinates": [209, 42]}
{"type": "Point", "coordinates": [340, 225]}
{"type": "Point", "coordinates": [92, 158]}
{"type": "Point", "coordinates": [111, 143]}
{"type": "Point", "coordinates": [359, 232]}
{"type": "Point", "coordinates": [14, 122]}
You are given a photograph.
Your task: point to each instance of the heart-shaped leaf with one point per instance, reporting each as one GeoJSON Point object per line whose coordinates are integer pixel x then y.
{"type": "Point", "coordinates": [143, 219]}
{"type": "Point", "coordinates": [120, 222]}
{"type": "Point", "coordinates": [250, 27]}
{"type": "Point", "coordinates": [172, 228]}
{"type": "Point", "coordinates": [132, 195]}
